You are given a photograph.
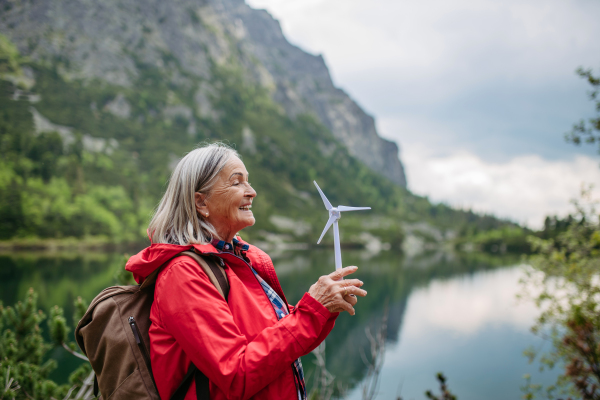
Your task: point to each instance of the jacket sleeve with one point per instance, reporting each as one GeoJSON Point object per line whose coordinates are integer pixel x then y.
{"type": "Point", "coordinates": [324, 332]}
{"type": "Point", "coordinates": [199, 319]}
{"type": "Point", "coordinates": [326, 328]}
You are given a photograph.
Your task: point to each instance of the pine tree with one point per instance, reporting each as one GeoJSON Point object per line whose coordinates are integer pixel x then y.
{"type": "Point", "coordinates": [23, 369]}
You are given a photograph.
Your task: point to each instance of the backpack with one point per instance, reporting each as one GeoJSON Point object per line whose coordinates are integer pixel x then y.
{"type": "Point", "coordinates": [113, 334]}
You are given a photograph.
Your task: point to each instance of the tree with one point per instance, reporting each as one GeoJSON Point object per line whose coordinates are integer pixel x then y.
{"type": "Point", "coordinates": [587, 132]}
{"type": "Point", "coordinates": [23, 365]}
{"type": "Point", "coordinates": [564, 282]}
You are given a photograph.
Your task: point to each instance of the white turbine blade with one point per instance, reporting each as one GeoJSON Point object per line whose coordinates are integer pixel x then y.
{"type": "Point", "coordinates": [329, 223]}
{"type": "Point", "coordinates": [344, 208]}
{"type": "Point", "coordinates": [328, 205]}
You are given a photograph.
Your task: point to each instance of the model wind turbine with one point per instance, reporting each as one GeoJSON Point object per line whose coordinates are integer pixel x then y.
{"type": "Point", "coordinates": [334, 216]}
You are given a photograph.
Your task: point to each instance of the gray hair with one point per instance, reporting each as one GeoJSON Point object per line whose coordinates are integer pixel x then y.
{"type": "Point", "coordinates": [176, 220]}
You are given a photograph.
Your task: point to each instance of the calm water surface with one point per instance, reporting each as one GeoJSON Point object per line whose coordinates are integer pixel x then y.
{"type": "Point", "coordinates": [471, 328]}
{"type": "Point", "coordinates": [445, 313]}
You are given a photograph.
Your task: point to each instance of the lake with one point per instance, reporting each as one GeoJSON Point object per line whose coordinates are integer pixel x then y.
{"type": "Point", "coordinates": [445, 312]}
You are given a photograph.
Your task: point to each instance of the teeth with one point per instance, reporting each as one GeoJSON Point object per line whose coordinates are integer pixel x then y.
{"type": "Point", "coordinates": [246, 208]}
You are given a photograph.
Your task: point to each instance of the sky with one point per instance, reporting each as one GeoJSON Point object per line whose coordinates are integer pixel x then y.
{"type": "Point", "coordinates": [478, 94]}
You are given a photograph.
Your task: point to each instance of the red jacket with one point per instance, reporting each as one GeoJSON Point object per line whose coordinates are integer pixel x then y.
{"type": "Point", "coordinates": [239, 345]}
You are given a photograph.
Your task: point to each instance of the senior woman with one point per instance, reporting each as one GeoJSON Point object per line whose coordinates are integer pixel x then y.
{"type": "Point", "coordinates": [249, 346]}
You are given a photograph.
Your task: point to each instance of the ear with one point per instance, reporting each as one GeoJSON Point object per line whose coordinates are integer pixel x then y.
{"type": "Point", "coordinates": [201, 207]}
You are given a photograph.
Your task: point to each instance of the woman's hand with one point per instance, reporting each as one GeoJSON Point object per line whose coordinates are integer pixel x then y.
{"type": "Point", "coordinates": [335, 294]}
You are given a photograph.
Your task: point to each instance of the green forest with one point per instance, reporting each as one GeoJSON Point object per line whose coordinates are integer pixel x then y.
{"type": "Point", "coordinates": [71, 171]}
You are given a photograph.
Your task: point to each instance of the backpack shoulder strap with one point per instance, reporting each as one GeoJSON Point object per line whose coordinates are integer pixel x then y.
{"type": "Point", "coordinates": [202, 385]}
{"type": "Point", "coordinates": [218, 278]}
{"type": "Point", "coordinates": [215, 272]}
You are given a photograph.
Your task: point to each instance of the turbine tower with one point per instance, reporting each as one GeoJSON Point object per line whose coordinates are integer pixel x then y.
{"type": "Point", "coordinates": [334, 216]}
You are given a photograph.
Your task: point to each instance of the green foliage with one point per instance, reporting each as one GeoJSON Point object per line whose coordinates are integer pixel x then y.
{"type": "Point", "coordinates": [587, 131]}
{"type": "Point", "coordinates": [554, 225]}
{"type": "Point", "coordinates": [81, 307]}
{"type": "Point", "coordinates": [43, 191]}
{"type": "Point", "coordinates": [58, 326]}
{"type": "Point", "coordinates": [501, 240]}
{"type": "Point", "coordinates": [510, 238]}
{"type": "Point", "coordinates": [10, 387]}
{"type": "Point", "coordinates": [9, 57]}
{"type": "Point", "coordinates": [564, 282]}
{"type": "Point", "coordinates": [445, 392]}
{"type": "Point", "coordinates": [24, 366]}
{"type": "Point", "coordinates": [122, 276]}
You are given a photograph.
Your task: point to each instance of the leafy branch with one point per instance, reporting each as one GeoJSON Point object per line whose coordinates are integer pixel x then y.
{"type": "Point", "coordinates": [587, 131]}
{"type": "Point", "coordinates": [565, 273]}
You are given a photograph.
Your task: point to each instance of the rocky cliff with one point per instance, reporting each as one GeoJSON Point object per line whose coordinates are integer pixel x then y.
{"type": "Point", "coordinates": [107, 40]}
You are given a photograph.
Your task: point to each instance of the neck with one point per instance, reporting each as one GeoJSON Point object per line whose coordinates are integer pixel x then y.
{"type": "Point", "coordinates": [226, 236]}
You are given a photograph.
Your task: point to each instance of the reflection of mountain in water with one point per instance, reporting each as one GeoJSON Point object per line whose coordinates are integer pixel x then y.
{"type": "Point", "coordinates": [389, 279]}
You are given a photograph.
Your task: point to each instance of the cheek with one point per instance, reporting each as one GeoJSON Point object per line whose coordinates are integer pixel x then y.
{"type": "Point", "coordinates": [226, 204]}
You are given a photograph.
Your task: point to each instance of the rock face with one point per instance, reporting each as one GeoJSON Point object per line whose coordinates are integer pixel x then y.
{"type": "Point", "coordinates": [108, 39]}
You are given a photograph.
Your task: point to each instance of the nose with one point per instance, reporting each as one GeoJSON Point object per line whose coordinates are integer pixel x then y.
{"type": "Point", "coordinates": [250, 192]}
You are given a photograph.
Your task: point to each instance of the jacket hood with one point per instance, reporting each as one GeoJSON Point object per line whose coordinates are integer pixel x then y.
{"type": "Point", "coordinates": [148, 260]}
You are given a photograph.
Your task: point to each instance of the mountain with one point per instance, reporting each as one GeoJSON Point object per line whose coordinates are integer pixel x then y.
{"type": "Point", "coordinates": [99, 100]}
{"type": "Point", "coordinates": [107, 40]}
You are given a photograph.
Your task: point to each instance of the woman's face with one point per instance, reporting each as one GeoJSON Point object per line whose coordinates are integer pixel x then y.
{"type": "Point", "coordinates": [228, 204]}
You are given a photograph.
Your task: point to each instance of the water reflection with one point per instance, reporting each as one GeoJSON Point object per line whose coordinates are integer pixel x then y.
{"type": "Point", "coordinates": [429, 299]}
{"type": "Point", "coordinates": [470, 327]}
{"type": "Point", "coordinates": [390, 280]}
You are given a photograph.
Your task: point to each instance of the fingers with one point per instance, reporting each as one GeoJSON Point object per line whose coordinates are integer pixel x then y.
{"type": "Point", "coordinates": [336, 294]}
{"type": "Point", "coordinates": [343, 287]}
{"type": "Point", "coordinates": [340, 273]}
{"type": "Point", "coordinates": [352, 300]}
{"type": "Point", "coordinates": [353, 290]}
{"type": "Point", "coordinates": [351, 282]}
{"type": "Point", "coordinates": [345, 306]}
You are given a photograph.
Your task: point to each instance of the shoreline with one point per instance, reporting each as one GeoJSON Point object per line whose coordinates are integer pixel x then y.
{"type": "Point", "coordinates": [90, 243]}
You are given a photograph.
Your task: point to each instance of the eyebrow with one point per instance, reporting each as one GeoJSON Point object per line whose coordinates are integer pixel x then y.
{"type": "Point", "coordinates": [237, 173]}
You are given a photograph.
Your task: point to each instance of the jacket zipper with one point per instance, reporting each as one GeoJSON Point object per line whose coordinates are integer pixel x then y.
{"type": "Point", "coordinates": [141, 345]}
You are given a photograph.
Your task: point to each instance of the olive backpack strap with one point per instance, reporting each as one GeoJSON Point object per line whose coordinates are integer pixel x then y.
{"type": "Point", "coordinates": [215, 272]}
{"type": "Point", "coordinates": [218, 278]}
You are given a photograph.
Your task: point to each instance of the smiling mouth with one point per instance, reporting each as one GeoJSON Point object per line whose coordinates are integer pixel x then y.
{"type": "Point", "coordinates": [246, 208]}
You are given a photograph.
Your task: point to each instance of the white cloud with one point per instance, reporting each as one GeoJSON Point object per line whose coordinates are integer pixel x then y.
{"type": "Point", "coordinates": [525, 188]}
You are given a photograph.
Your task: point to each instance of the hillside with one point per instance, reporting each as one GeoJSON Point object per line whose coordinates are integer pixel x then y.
{"type": "Point", "coordinates": [109, 40]}
{"type": "Point", "coordinates": [91, 126]}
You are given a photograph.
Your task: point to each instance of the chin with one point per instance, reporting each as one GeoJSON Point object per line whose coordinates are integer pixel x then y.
{"type": "Point", "coordinates": [247, 222]}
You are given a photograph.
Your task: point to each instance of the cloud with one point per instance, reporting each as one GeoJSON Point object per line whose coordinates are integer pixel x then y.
{"type": "Point", "coordinates": [524, 189]}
